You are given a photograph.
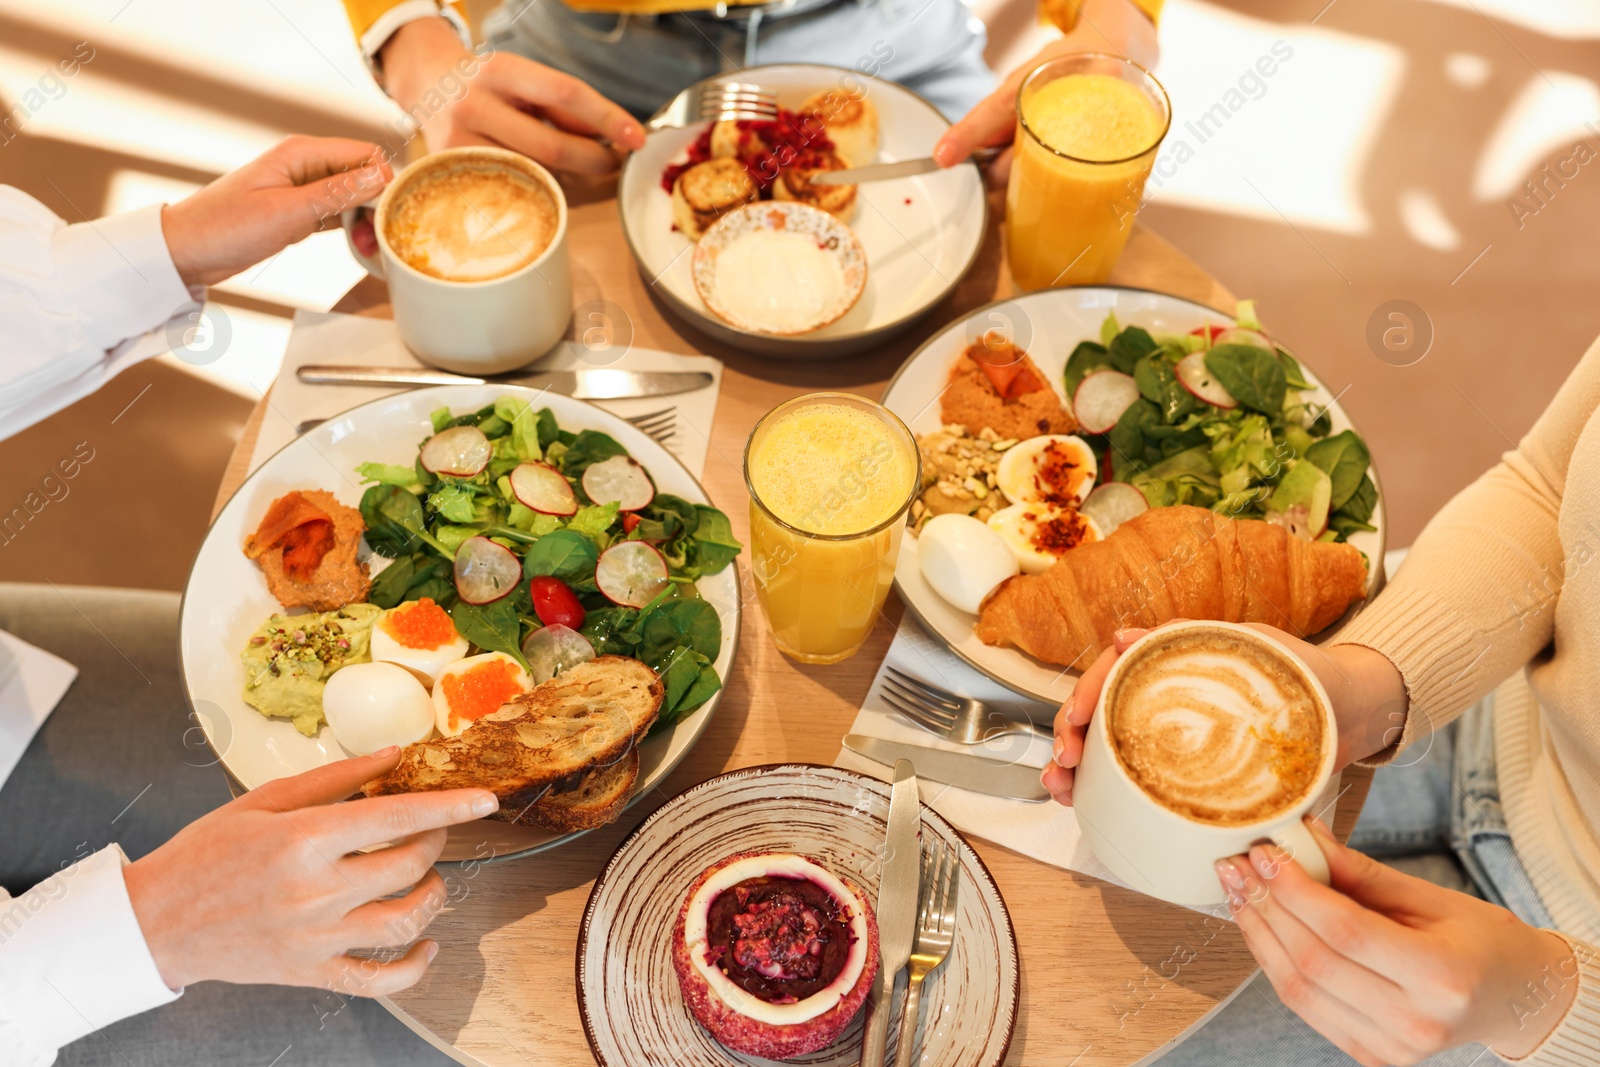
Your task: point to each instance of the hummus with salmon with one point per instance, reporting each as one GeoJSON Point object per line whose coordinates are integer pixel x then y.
{"type": "Point", "coordinates": [306, 546]}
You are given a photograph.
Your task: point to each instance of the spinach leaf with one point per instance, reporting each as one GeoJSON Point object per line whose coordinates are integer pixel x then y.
{"type": "Point", "coordinates": [1344, 457]}
{"type": "Point", "coordinates": [1253, 375]}
{"type": "Point", "coordinates": [1158, 383]}
{"type": "Point", "coordinates": [1362, 502]}
{"type": "Point", "coordinates": [395, 523]}
{"type": "Point", "coordinates": [613, 631]}
{"type": "Point", "coordinates": [704, 687]}
{"type": "Point", "coordinates": [1129, 347]}
{"type": "Point", "coordinates": [1293, 375]}
{"type": "Point", "coordinates": [564, 554]}
{"type": "Point", "coordinates": [1087, 358]}
{"type": "Point", "coordinates": [454, 502]}
{"type": "Point", "coordinates": [1127, 437]}
{"type": "Point", "coordinates": [389, 587]}
{"type": "Point", "coordinates": [715, 544]}
{"type": "Point", "coordinates": [549, 429]}
{"type": "Point", "coordinates": [692, 623]}
{"type": "Point", "coordinates": [492, 627]}
{"type": "Point", "coordinates": [590, 446]}
{"type": "Point", "coordinates": [678, 670]}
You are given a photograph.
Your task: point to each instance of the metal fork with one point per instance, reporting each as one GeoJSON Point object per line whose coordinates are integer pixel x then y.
{"type": "Point", "coordinates": [718, 101]}
{"type": "Point", "coordinates": [936, 931]}
{"type": "Point", "coordinates": [964, 720]}
{"type": "Point", "coordinates": [661, 425]}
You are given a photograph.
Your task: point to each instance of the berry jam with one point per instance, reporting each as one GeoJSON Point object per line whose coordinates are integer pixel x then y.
{"type": "Point", "coordinates": [765, 146]}
{"type": "Point", "coordinates": [780, 939]}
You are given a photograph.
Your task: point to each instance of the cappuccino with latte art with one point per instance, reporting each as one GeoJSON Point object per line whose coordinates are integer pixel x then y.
{"type": "Point", "coordinates": [1216, 725]}
{"type": "Point", "coordinates": [471, 220]}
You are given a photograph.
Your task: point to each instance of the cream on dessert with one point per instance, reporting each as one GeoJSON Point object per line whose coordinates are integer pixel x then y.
{"type": "Point", "coordinates": [778, 281]}
{"type": "Point", "coordinates": [775, 953]}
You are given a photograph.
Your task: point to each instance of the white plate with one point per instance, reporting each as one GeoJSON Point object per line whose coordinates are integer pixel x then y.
{"type": "Point", "coordinates": [1048, 325]}
{"type": "Point", "coordinates": [921, 234]}
{"type": "Point", "coordinates": [628, 994]}
{"type": "Point", "coordinates": [226, 597]}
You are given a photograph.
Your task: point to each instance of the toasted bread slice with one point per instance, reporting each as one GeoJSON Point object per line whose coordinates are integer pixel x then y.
{"type": "Point", "coordinates": [586, 717]}
{"type": "Point", "coordinates": [598, 800]}
{"type": "Point", "coordinates": [707, 191]}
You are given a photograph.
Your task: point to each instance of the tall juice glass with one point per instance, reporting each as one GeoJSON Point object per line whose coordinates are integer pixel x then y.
{"type": "Point", "coordinates": [831, 476]}
{"type": "Point", "coordinates": [1088, 126]}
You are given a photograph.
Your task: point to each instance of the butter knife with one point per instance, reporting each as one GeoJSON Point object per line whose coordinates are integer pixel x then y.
{"type": "Point", "coordinates": [592, 383]}
{"type": "Point", "coordinates": [906, 168]}
{"type": "Point", "coordinates": [897, 906]}
{"type": "Point", "coordinates": [992, 777]}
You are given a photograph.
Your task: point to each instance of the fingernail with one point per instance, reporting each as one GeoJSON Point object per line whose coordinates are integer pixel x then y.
{"type": "Point", "coordinates": [1230, 875]}
{"type": "Point", "coordinates": [1320, 827]}
{"type": "Point", "coordinates": [1235, 901]}
{"type": "Point", "coordinates": [485, 804]}
{"type": "Point", "coordinates": [1267, 859]}
{"type": "Point", "coordinates": [385, 753]}
{"type": "Point", "coordinates": [433, 950]}
{"type": "Point", "coordinates": [1056, 749]}
{"type": "Point", "coordinates": [630, 133]}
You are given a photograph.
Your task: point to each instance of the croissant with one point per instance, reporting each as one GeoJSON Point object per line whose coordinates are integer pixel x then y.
{"type": "Point", "coordinates": [1173, 563]}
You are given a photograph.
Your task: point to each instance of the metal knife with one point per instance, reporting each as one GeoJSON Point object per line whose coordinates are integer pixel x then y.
{"type": "Point", "coordinates": [993, 777]}
{"type": "Point", "coordinates": [906, 168]}
{"type": "Point", "coordinates": [592, 383]}
{"type": "Point", "coordinates": [897, 905]}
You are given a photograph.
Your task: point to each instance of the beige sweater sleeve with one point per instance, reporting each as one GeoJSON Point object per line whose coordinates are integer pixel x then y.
{"type": "Point", "coordinates": [1475, 599]}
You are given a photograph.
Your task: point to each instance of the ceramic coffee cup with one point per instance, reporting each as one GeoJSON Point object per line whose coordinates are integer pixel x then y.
{"type": "Point", "coordinates": [1164, 852]}
{"type": "Point", "coordinates": [474, 327]}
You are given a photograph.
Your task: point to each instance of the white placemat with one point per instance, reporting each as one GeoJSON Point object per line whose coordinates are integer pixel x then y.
{"type": "Point", "coordinates": [369, 342]}
{"type": "Point", "coordinates": [1046, 831]}
{"type": "Point", "coordinates": [32, 683]}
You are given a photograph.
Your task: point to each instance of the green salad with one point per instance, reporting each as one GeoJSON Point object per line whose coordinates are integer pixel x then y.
{"type": "Point", "coordinates": [550, 546]}
{"type": "Point", "coordinates": [1217, 418]}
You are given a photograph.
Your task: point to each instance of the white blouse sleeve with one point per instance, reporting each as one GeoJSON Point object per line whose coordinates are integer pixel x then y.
{"type": "Point", "coordinates": [78, 304]}
{"type": "Point", "coordinates": [72, 960]}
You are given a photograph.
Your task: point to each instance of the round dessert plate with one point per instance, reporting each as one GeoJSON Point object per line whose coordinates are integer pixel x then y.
{"type": "Point", "coordinates": [628, 993]}
{"type": "Point", "coordinates": [831, 236]}
{"type": "Point", "coordinates": [1048, 325]}
{"type": "Point", "coordinates": [920, 234]}
{"type": "Point", "coordinates": [226, 597]}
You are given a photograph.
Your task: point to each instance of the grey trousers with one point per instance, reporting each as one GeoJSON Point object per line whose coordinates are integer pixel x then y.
{"type": "Point", "coordinates": [110, 764]}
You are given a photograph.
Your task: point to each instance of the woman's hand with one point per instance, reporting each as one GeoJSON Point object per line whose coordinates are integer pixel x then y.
{"type": "Point", "coordinates": [1114, 26]}
{"type": "Point", "coordinates": [283, 196]}
{"type": "Point", "coordinates": [461, 98]}
{"type": "Point", "coordinates": [269, 888]}
{"type": "Point", "coordinates": [1366, 690]}
{"type": "Point", "coordinates": [1392, 968]}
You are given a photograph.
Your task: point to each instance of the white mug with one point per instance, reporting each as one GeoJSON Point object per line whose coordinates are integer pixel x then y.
{"type": "Point", "coordinates": [1171, 856]}
{"type": "Point", "coordinates": [479, 327]}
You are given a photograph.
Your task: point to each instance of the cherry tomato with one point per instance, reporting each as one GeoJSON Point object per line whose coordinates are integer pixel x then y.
{"type": "Point", "coordinates": [1208, 332]}
{"type": "Point", "coordinates": [555, 603]}
{"type": "Point", "coordinates": [630, 521]}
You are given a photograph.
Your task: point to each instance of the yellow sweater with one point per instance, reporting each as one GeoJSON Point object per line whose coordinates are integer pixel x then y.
{"type": "Point", "coordinates": [1504, 585]}
{"type": "Point", "coordinates": [364, 13]}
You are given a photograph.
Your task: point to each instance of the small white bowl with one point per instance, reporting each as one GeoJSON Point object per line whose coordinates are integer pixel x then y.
{"type": "Point", "coordinates": [830, 234]}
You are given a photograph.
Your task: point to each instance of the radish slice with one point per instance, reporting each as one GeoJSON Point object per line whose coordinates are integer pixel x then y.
{"type": "Point", "coordinates": [631, 573]}
{"type": "Point", "coordinates": [544, 489]}
{"type": "Point", "coordinates": [1113, 504]}
{"type": "Point", "coordinates": [485, 571]}
{"type": "Point", "coordinates": [1197, 378]}
{"type": "Point", "coordinates": [619, 478]}
{"type": "Point", "coordinates": [460, 451]}
{"type": "Point", "coordinates": [1238, 336]}
{"type": "Point", "coordinates": [1102, 397]}
{"type": "Point", "coordinates": [553, 649]}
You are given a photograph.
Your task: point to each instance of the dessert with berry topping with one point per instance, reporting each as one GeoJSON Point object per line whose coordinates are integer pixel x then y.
{"type": "Point", "coordinates": [775, 953]}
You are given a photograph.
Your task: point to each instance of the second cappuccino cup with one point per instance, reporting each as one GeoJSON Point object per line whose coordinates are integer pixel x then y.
{"type": "Point", "coordinates": [473, 245]}
{"type": "Point", "coordinates": [1208, 738]}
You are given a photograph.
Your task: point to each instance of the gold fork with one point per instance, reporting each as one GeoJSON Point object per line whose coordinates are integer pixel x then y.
{"type": "Point", "coordinates": [936, 931]}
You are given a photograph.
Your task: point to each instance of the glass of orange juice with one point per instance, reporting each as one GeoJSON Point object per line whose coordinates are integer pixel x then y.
{"type": "Point", "coordinates": [1088, 126]}
{"type": "Point", "coordinates": [831, 476]}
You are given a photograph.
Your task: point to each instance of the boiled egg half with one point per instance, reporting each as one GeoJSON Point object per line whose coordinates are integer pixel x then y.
{"type": "Point", "coordinates": [1040, 534]}
{"type": "Point", "coordinates": [375, 705]}
{"type": "Point", "coordinates": [1055, 469]}
{"type": "Point", "coordinates": [420, 636]}
{"type": "Point", "coordinates": [963, 559]}
{"type": "Point", "coordinates": [471, 688]}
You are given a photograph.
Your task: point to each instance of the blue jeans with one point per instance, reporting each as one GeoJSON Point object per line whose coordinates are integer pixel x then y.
{"type": "Point", "coordinates": [1435, 812]}
{"type": "Point", "coordinates": [933, 47]}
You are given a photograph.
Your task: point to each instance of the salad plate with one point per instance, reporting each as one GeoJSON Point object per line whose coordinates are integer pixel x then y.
{"type": "Point", "coordinates": [227, 597]}
{"type": "Point", "coordinates": [1048, 326]}
{"type": "Point", "coordinates": [920, 234]}
{"type": "Point", "coordinates": [632, 1007]}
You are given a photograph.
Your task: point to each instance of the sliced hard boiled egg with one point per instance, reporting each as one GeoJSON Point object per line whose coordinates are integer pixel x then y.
{"type": "Point", "coordinates": [420, 636]}
{"type": "Point", "coordinates": [1055, 468]}
{"type": "Point", "coordinates": [375, 705]}
{"type": "Point", "coordinates": [963, 559]}
{"type": "Point", "coordinates": [1040, 534]}
{"type": "Point", "coordinates": [471, 688]}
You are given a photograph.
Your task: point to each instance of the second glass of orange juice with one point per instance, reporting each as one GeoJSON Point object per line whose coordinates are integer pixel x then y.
{"type": "Point", "coordinates": [830, 478]}
{"type": "Point", "coordinates": [1088, 127]}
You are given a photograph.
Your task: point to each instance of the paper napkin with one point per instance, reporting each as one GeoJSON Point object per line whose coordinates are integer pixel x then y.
{"type": "Point", "coordinates": [32, 683]}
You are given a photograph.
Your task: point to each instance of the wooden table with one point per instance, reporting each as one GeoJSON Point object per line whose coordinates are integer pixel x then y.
{"type": "Point", "coordinates": [1109, 977]}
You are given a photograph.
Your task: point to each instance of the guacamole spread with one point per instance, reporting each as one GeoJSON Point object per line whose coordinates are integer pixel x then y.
{"type": "Point", "coordinates": [288, 659]}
